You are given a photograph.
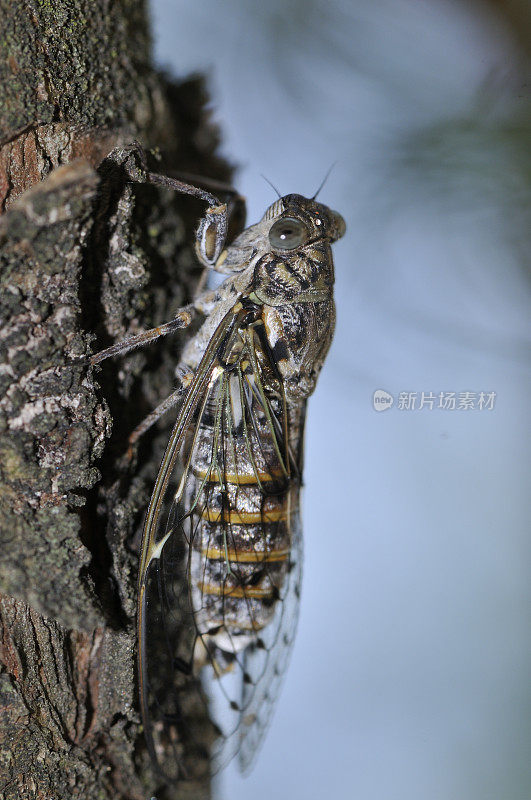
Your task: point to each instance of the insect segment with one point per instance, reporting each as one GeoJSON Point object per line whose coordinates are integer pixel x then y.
{"type": "Point", "coordinates": [220, 568]}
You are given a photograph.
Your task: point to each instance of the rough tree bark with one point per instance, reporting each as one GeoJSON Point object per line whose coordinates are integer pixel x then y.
{"type": "Point", "coordinates": [86, 259]}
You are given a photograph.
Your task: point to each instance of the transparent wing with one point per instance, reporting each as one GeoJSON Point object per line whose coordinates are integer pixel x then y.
{"type": "Point", "coordinates": [221, 564]}
{"type": "Point", "coordinates": [174, 707]}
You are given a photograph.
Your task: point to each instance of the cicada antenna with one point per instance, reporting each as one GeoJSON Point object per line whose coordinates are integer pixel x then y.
{"type": "Point", "coordinates": [272, 185]}
{"type": "Point", "coordinates": [330, 168]}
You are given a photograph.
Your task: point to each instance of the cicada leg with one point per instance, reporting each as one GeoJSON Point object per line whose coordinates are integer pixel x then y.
{"type": "Point", "coordinates": [211, 236]}
{"type": "Point", "coordinates": [203, 304]}
{"type": "Point", "coordinates": [236, 216]}
{"type": "Point", "coordinates": [236, 206]}
{"type": "Point", "coordinates": [182, 319]}
{"type": "Point", "coordinates": [212, 230]}
{"type": "Point", "coordinates": [185, 377]}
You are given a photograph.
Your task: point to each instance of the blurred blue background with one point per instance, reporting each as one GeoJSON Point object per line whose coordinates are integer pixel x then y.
{"type": "Point", "coordinates": [410, 674]}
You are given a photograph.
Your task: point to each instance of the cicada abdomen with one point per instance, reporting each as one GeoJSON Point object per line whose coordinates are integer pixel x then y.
{"type": "Point", "coordinates": [241, 502]}
{"type": "Point", "coordinates": [222, 583]}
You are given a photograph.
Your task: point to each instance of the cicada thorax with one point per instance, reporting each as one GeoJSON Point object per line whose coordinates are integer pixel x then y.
{"type": "Point", "coordinates": [241, 492]}
{"type": "Point", "coordinates": [299, 277]}
{"type": "Point", "coordinates": [298, 312]}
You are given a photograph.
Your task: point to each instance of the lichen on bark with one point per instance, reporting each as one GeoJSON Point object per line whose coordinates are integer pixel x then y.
{"type": "Point", "coordinates": [85, 259]}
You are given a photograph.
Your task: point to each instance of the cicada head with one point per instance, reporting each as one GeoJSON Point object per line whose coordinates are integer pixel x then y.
{"type": "Point", "coordinates": [296, 265]}
{"type": "Point", "coordinates": [290, 224]}
{"type": "Point", "coordinates": [299, 220]}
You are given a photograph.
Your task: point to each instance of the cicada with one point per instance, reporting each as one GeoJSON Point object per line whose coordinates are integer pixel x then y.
{"type": "Point", "coordinates": [220, 566]}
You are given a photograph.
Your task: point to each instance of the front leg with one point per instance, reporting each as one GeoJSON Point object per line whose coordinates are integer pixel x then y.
{"type": "Point", "coordinates": [212, 229]}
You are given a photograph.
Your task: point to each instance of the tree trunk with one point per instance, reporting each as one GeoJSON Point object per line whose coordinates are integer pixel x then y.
{"type": "Point", "coordinates": [86, 259]}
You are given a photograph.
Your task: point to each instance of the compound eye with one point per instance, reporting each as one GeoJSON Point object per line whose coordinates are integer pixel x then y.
{"type": "Point", "coordinates": [287, 233]}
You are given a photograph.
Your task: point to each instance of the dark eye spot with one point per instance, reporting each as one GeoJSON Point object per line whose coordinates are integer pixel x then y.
{"type": "Point", "coordinates": [287, 233]}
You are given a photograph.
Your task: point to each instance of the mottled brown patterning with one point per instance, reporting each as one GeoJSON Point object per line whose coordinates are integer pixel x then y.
{"type": "Point", "coordinates": [220, 570]}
